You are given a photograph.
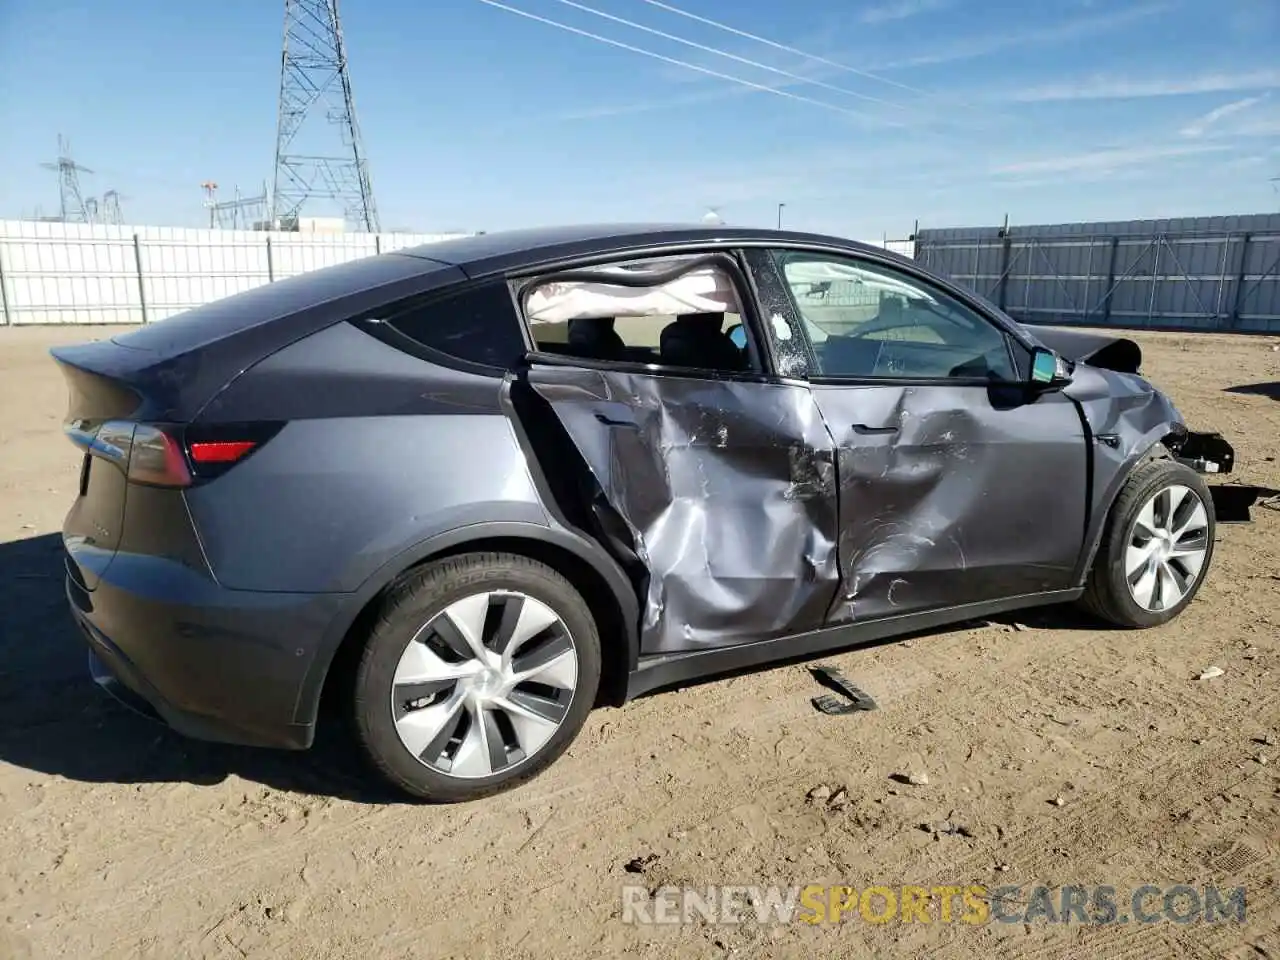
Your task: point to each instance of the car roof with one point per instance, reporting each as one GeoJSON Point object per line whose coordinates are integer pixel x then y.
{"type": "Point", "coordinates": [512, 249]}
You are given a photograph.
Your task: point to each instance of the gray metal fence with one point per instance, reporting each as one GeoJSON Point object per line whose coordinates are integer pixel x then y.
{"type": "Point", "coordinates": [1203, 273]}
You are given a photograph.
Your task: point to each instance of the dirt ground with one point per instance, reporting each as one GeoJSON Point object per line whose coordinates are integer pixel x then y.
{"type": "Point", "coordinates": [118, 839]}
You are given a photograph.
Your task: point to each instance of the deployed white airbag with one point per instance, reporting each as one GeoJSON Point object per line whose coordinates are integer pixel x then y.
{"type": "Point", "coordinates": [701, 291]}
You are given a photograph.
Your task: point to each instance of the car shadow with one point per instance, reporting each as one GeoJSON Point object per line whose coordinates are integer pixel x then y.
{"type": "Point", "coordinates": [55, 720]}
{"type": "Point", "coordinates": [1271, 389]}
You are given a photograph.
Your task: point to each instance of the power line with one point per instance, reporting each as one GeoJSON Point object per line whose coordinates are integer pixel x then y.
{"type": "Point", "coordinates": [731, 56]}
{"type": "Point", "coordinates": [683, 63]}
{"type": "Point", "coordinates": [783, 47]}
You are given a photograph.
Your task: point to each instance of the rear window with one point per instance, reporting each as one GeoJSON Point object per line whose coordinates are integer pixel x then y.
{"type": "Point", "coordinates": [476, 325]}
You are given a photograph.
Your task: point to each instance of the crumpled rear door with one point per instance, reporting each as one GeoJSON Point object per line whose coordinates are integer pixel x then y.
{"type": "Point", "coordinates": [727, 491]}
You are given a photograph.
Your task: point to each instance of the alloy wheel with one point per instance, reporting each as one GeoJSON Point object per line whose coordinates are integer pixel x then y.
{"type": "Point", "coordinates": [484, 685]}
{"type": "Point", "coordinates": [1167, 546]}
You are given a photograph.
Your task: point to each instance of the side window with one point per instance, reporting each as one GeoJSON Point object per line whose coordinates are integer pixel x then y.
{"type": "Point", "coordinates": [692, 320]}
{"type": "Point", "coordinates": [868, 320]}
{"type": "Point", "coordinates": [477, 325]}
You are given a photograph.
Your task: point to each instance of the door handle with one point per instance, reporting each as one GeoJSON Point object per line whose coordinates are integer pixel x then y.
{"type": "Point", "coordinates": [611, 422]}
{"type": "Point", "coordinates": [866, 430]}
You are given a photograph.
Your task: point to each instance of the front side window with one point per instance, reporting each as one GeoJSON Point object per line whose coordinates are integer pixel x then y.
{"type": "Point", "coordinates": [693, 320]}
{"type": "Point", "coordinates": [868, 320]}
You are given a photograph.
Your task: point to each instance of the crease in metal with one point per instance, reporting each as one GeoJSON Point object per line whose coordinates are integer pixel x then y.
{"type": "Point", "coordinates": [760, 509]}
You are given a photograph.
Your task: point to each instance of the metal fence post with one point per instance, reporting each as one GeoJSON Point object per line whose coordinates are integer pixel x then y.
{"type": "Point", "coordinates": [1006, 249]}
{"type": "Point", "coordinates": [1088, 279]}
{"type": "Point", "coordinates": [271, 267]}
{"type": "Point", "coordinates": [377, 243]}
{"type": "Point", "coordinates": [1111, 279]}
{"type": "Point", "coordinates": [1155, 279]}
{"type": "Point", "coordinates": [4, 292]}
{"type": "Point", "coordinates": [1241, 274]}
{"type": "Point", "coordinates": [142, 287]}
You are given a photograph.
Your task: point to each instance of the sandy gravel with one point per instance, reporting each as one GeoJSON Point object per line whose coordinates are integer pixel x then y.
{"type": "Point", "coordinates": [118, 839]}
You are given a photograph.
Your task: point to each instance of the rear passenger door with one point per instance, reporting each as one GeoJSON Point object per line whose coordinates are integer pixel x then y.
{"type": "Point", "coordinates": [711, 471]}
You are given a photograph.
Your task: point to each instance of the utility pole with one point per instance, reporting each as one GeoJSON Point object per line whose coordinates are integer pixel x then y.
{"type": "Point", "coordinates": [315, 84]}
{"type": "Point", "coordinates": [780, 206]}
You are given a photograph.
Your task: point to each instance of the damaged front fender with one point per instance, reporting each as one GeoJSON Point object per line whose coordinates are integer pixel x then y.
{"type": "Point", "coordinates": [1127, 421]}
{"type": "Point", "coordinates": [1131, 420]}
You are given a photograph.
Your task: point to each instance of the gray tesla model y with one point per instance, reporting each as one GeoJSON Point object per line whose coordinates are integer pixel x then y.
{"type": "Point", "coordinates": [486, 484]}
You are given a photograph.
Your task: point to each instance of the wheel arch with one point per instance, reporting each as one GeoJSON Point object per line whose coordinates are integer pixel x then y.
{"type": "Point", "coordinates": [593, 573]}
{"type": "Point", "coordinates": [1155, 447]}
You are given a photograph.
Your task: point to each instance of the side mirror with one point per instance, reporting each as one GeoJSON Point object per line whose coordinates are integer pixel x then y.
{"type": "Point", "coordinates": [1048, 369]}
{"type": "Point", "coordinates": [739, 336]}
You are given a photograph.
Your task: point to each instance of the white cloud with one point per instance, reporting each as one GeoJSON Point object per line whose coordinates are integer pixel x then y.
{"type": "Point", "coordinates": [901, 10]}
{"type": "Point", "coordinates": [970, 48]}
{"type": "Point", "coordinates": [1200, 126]}
{"type": "Point", "coordinates": [1104, 160]}
{"type": "Point", "coordinates": [1122, 88]}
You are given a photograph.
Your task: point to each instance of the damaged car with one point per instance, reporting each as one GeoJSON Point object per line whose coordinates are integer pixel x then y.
{"type": "Point", "coordinates": [467, 491]}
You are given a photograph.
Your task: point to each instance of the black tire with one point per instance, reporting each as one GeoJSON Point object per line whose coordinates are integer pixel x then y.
{"type": "Point", "coordinates": [410, 605]}
{"type": "Point", "coordinates": [1107, 594]}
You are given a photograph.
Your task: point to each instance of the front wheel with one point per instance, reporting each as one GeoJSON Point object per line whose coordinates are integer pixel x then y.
{"type": "Point", "coordinates": [477, 677]}
{"type": "Point", "coordinates": [1157, 547]}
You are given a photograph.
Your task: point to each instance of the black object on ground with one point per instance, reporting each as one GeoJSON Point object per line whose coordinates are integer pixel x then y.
{"type": "Point", "coordinates": [857, 699]}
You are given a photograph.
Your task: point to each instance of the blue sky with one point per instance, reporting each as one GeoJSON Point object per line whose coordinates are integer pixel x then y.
{"type": "Point", "coordinates": [862, 116]}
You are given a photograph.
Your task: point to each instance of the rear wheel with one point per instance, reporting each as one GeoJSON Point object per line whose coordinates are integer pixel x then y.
{"type": "Point", "coordinates": [1157, 547]}
{"type": "Point", "coordinates": [477, 677]}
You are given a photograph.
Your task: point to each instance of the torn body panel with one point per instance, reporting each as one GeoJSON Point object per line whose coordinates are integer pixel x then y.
{"type": "Point", "coordinates": [725, 489]}
{"type": "Point", "coordinates": [953, 494]}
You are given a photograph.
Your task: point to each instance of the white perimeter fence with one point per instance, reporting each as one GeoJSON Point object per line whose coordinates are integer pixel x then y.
{"type": "Point", "coordinates": [75, 273]}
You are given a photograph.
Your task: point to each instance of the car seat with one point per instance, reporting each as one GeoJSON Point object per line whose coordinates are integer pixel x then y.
{"type": "Point", "coordinates": [697, 340]}
{"type": "Point", "coordinates": [595, 338]}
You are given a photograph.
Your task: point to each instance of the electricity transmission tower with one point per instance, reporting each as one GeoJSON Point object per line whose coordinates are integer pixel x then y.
{"type": "Point", "coordinates": [111, 212]}
{"type": "Point", "coordinates": [72, 204]}
{"type": "Point", "coordinates": [315, 84]}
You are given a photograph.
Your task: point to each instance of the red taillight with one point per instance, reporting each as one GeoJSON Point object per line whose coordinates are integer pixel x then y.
{"type": "Point", "coordinates": [220, 451]}
{"type": "Point", "coordinates": [175, 455]}
{"type": "Point", "coordinates": [156, 457]}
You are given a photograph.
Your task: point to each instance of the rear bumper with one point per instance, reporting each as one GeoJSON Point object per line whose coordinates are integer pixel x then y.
{"type": "Point", "coordinates": [213, 664]}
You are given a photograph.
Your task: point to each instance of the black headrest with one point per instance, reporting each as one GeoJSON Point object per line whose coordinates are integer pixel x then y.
{"type": "Point", "coordinates": [594, 332]}
{"type": "Point", "coordinates": [695, 340]}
